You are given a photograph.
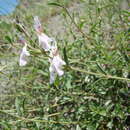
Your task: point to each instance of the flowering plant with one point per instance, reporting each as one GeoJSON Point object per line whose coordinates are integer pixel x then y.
{"type": "Point", "coordinates": [49, 45]}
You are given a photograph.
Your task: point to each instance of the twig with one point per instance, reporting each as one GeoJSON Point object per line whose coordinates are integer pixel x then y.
{"type": "Point", "coordinates": [36, 120]}
{"type": "Point", "coordinates": [100, 75]}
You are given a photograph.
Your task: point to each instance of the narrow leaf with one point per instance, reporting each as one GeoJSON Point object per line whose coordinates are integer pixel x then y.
{"type": "Point", "coordinates": [65, 56]}
{"type": "Point", "coordinates": [55, 4]}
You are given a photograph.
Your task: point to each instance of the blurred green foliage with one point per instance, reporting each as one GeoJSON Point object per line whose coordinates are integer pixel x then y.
{"type": "Point", "coordinates": [93, 94]}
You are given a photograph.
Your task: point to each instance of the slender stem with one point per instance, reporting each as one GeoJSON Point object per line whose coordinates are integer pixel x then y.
{"type": "Point", "coordinates": [79, 29]}
{"type": "Point", "coordinates": [36, 120]}
{"type": "Point", "coordinates": [100, 75]}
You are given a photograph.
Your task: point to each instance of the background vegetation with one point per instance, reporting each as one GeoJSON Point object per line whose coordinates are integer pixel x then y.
{"type": "Point", "coordinates": [94, 93]}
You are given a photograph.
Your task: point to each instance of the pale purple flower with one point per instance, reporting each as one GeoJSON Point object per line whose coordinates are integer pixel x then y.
{"type": "Point", "coordinates": [56, 64]}
{"type": "Point", "coordinates": [23, 56]}
{"type": "Point", "coordinates": [44, 41]}
{"type": "Point", "coordinates": [37, 24]}
{"type": "Point", "coordinates": [49, 44]}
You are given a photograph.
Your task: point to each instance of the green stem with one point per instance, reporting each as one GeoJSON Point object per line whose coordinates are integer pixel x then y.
{"type": "Point", "coordinates": [100, 75]}
{"type": "Point", "coordinates": [79, 29]}
{"type": "Point", "coordinates": [36, 120]}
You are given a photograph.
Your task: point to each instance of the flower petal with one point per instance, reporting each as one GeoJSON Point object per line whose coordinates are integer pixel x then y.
{"type": "Point", "coordinates": [22, 62]}
{"type": "Point", "coordinates": [57, 62]}
{"type": "Point", "coordinates": [52, 75]}
{"type": "Point", "coordinates": [37, 24]}
{"type": "Point", "coordinates": [44, 41]}
{"type": "Point", "coordinates": [60, 72]}
{"type": "Point", "coordinates": [23, 55]}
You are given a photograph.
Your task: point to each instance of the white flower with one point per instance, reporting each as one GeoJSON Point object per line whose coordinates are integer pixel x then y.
{"type": "Point", "coordinates": [23, 56]}
{"type": "Point", "coordinates": [37, 24]}
{"type": "Point", "coordinates": [56, 64]}
{"type": "Point", "coordinates": [52, 75]}
{"type": "Point", "coordinates": [44, 41]}
{"type": "Point", "coordinates": [49, 44]}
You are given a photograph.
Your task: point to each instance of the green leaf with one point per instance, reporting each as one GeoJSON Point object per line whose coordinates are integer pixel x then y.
{"type": "Point", "coordinates": [5, 126]}
{"type": "Point", "coordinates": [78, 127]}
{"type": "Point", "coordinates": [107, 102]}
{"type": "Point", "coordinates": [91, 127]}
{"type": "Point", "coordinates": [82, 24]}
{"type": "Point", "coordinates": [2, 67]}
{"type": "Point", "coordinates": [55, 4]}
{"type": "Point", "coordinates": [17, 105]}
{"type": "Point", "coordinates": [19, 27]}
{"type": "Point", "coordinates": [110, 124]}
{"type": "Point", "coordinates": [102, 112]}
{"type": "Point", "coordinates": [5, 25]}
{"type": "Point", "coordinates": [100, 69]}
{"type": "Point", "coordinates": [8, 39]}
{"type": "Point", "coordinates": [65, 56]}
{"type": "Point", "coordinates": [68, 84]}
{"type": "Point", "coordinates": [38, 125]}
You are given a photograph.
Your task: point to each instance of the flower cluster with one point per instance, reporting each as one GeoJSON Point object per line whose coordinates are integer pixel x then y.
{"type": "Point", "coordinates": [49, 45]}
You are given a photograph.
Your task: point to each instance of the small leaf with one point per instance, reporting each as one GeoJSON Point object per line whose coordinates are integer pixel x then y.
{"type": "Point", "coordinates": [38, 125]}
{"type": "Point", "coordinates": [17, 105]}
{"type": "Point", "coordinates": [102, 112]}
{"type": "Point", "coordinates": [5, 125]}
{"type": "Point", "coordinates": [107, 102]}
{"type": "Point", "coordinates": [8, 39]}
{"type": "Point", "coordinates": [68, 84]}
{"type": "Point", "coordinates": [110, 125]}
{"type": "Point", "coordinates": [101, 69]}
{"type": "Point", "coordinates": [5, 25]}
{"type": "Point", "coordinates": [91, 127]}
{"type": "Point", "coordinates": [2, 67]}
{"type": "Point", "coordinates": [65, 56]}
{"type": "Point", "coordinates": [82, 23]}
{"type": "Point", "coordinates": [55, 4]}
{"type": "Point", "coordinates": [19, 28]}
{"type": "Point", "coordinates": [78, 127]}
